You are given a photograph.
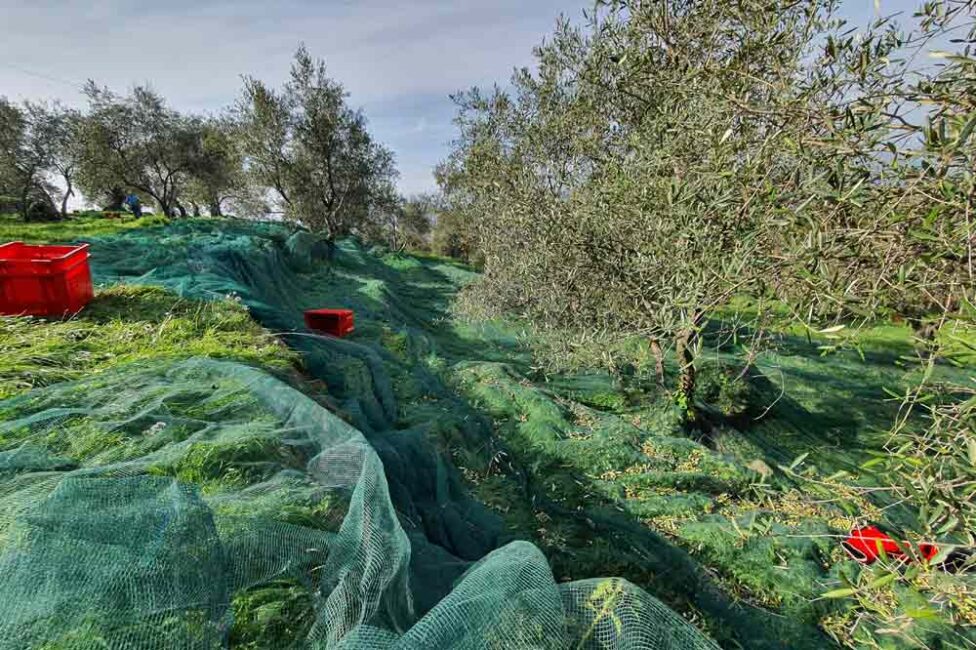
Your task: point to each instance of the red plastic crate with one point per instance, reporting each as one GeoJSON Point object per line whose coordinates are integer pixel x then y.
{"type": "Point", "coordinates": [44, 280]}
{"type": "Point", "coordinates": [337, 322]}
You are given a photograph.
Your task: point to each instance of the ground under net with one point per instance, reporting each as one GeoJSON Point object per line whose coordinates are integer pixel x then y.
{"type": "Point", "coordinates": [205, 504]}
{"type": "Point", "coordinates": [149, 507]}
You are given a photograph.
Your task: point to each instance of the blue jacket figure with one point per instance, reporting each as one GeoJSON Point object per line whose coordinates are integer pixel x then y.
{"type": "Point", "coordinates": [133, 202]}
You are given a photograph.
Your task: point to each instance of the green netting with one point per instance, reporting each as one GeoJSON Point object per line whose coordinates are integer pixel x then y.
{"type": "Point", "coordinates": [222, 507]}
{"type": "Point", "coordinates": [205, 504]}
{"type": "Point", "coordinates": [142, 509]}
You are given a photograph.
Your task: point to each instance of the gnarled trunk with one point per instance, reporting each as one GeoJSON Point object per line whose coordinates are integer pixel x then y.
{"type": "Point", "coordinates": [25, 203]}
{"type": "Point", "coordinates": [658, 361]}
{"type": "Point", "coordinates": [116, 197]}
{"type": "Point", "coordinates": [686, 346]}
{"type": "Point", "coordinates": [64, 200]}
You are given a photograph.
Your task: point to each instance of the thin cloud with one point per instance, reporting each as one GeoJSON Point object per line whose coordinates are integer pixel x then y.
{"type": "Point", "coordinates": [399, 60]}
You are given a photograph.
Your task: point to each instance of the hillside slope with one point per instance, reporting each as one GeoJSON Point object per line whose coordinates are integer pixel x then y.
{"type": "Point", "coordinates": [353, 525]}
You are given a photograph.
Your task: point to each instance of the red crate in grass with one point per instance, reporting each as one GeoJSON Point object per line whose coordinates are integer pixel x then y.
{"type": "Point", "coordinates": [337, 322]}
{"type": "Point", "coordinates": [44, 280]}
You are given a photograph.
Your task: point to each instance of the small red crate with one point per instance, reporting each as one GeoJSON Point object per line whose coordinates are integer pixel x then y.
{"type": "Point", "coordinates": [44, 280]}
{"type": "Point", "coordinates": [337, 322]}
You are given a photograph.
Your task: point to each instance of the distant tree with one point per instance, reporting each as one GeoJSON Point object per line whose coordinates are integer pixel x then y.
{"type": "Point", "coordinates": [59, 129]}
{"type": "Point", "coordinates": [452, 236]}
{"type": "Point", "coordinates": [457, 213]}
{"type": "Point", "coordinates": [26, 153]}
{"type": "Point", "coordinates": [217, 173]}
{"type": "Point", "coordinates": [139, 144]}
{"type": "Point", "coordinates": [266, 140]}
{"type": "Point", "coordinates": [406, 223]}
{"type": "Point", "coordinates": [417, 221]}
{"type": "Point", "coordinates": [384, 220]}
{"type": "Point", "coordinates": [313, 152]}
{"type": "Point", "coordinates": [12, 126]}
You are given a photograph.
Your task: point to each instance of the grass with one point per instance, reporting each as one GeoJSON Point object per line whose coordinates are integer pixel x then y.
{"type": "Point", "coordinates": [126, 324]}
{"type": "Point", "coordinates": [594, 467]}
{"type": "Point", "coordinates": [277, 615]}
{"type": "Point", "coordinates": [768, 537]}
{"type": "Point", "coordinates": [79, 226]}
{"type": "Point", "coordinates": [141, 325]}
{"type": "Point", "coordinates": [434, 257]}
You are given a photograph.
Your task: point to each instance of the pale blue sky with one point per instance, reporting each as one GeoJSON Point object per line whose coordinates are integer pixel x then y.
{"type": "Point", "coordinates": [399, 59]}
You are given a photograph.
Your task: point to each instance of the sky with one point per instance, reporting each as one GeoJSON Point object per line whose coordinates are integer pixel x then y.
{"type": "Point", "coordinates": [400, 60]}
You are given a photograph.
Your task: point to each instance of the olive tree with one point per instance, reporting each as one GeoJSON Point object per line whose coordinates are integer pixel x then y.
{"type": "Point", "coordinates": [26, 154]}
{"type": "Point", "coordinates": [417, 221]}
{"type": "Point", "coordinates": [137, 143]}
{"type": "Point", "coordinates": [916, 257]}
{"type": "Point", "coordinates": [670, 155]}
{"type": "Point", "coordinates": [885, 226]}
{"type": "Point", "coordinates": [626, 186]}
{"type": "Point", "coordinates": [312, 152]}
{"type": "Point", "coordinates": [217, 174]}
{"type": "Point", "coordinates": [58, 129]}
{"type": "Point", "coordinates": [455, 219]}
{"type": "Point", "coordinates": [405, 223]}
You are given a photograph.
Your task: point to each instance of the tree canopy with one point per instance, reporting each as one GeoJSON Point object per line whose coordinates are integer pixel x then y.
{"type": "Point", "coordinates": [313, 152]}
{"type": "Point", "coordinates": [666, 157]}
{"type": "Point", "coordinates": [28, 150]}
{"type": "Point", "coordinates": [302, 152]}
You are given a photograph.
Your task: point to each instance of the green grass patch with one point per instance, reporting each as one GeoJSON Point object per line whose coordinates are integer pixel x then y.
{"type": "Point", "coordinates": [131, 323]}
{"type": "Point", "coordinates": [278, 615]}
{"type": "Point", "coordinates": [395, 342]}
{"type": "Point", "coordinates": [242, 458]}
{"type": "Point", "coordinates": [79, 226]}
{"type": "Point", "coordinates": [443, 259]}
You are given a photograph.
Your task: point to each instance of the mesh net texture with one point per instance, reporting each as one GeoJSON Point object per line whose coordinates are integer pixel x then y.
{"type": "Point", "coordinates": [205, 504]}
{"type": "Point", "coordinates": [146, 508]}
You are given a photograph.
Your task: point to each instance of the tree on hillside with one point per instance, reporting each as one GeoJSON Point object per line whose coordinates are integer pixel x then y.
{"type": "Point", "coordinates": [139, 144]}
{"type": "Point", "coordinates": [416, 221]}
{"type": "Point", "coordinates": [313, 152]}
{"type": "Point", "coordinates": [627, 185]}
{"type": "Point", "coordinates": [217, 174]}
{"type": "Point", "coordinates": [674, 154]}
{"type": "Point", "coordinates": [26, 153]}
{"type": "Point", "coordinates": [452, 236]}
{"type": "Point", "coordinates": [59, 129]}
{"type": "Point", "coordinates": [454, 224]}
{"type": "Point", "coordinates": [405, 223]}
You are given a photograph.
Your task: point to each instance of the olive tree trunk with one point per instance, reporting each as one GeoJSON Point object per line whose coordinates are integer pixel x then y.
{"type": "Point", "coordinates": [25, 203]}
{"type": "Point", "coordinates": [658, 361]}
{"type": "Point", "coordinates": [686, 348]}
{"type": "Point", "coordinates": [69, 192]}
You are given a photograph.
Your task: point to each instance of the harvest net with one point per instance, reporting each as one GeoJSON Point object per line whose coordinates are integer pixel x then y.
{"type": "Point", "coordinates": [203, 504]}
